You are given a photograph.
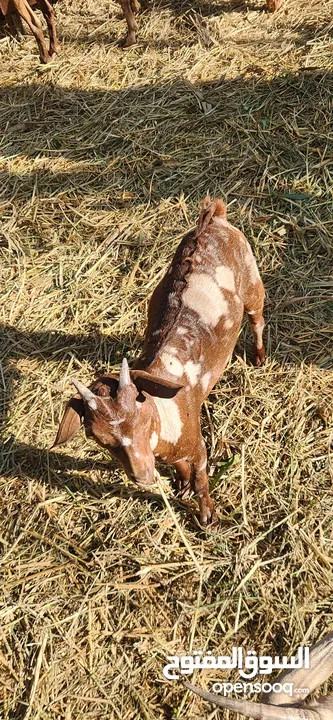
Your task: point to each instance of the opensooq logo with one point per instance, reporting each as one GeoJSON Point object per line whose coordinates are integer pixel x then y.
{"type": "Point", "coordinates": [249, 665]}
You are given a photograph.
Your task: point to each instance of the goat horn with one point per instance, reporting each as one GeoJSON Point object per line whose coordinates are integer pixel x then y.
{"type": "Point", "coordinates": [258, 711]}
{"type": "Point", "coordinates": [85, 393]}
{"type": "Point", "coordinates": [321, 667]}
{"type": "Point", "coordinates": [323, 706]}
{"type": "Point", "coordinates": [124, 375]}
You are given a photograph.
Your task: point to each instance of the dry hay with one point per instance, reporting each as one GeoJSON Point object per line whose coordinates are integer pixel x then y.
{"type": "Point", "coordinates": [105, 157]}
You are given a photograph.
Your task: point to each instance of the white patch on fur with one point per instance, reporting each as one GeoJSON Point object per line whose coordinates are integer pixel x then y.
{"type": "Point", "coordinates": [181, 330]}
{"type": "Point", "coordinates": [204, 297]}
{"type": "Point", "coordinates": [248, 257]}
{"type": "Point", "coordinates": [138, 404]}
{"type": "Point", "coordinates": [137, 454]}
{"type": "Point", "coordinates": [192, 371]}
{"type": "Point", "coordinates": [222, 221]}
{"type": "Point", "coordinates": [198, 258]}
{"type": "Point", "coordinates": [251, 264]}
{"type": "Point", "coordinates": [92, 404]}
{"type": "Point", "coordinates": [126, 441]}
{"type": "Point", "coordinates": [153, 441]}
{"type": "Point", "coordinates": [203, 466]}
{"type": "Point", "coordinates": [237, 299]}
{"type": "Point", "coordinates": [205, 380]}
{"type": "Point", "coordinates": [172, 364]}
{"type": "Point", "coordinates": [228, 323]}
{"type": "Point", "coordinates": [225, 278]}
{"type": "Point", "coordinates": [173, 299]}
{"type": "Point", "coordinates": [254, 273]}
{"type": "Point", "coordinates": [259, 329]}
{"type": "Point", "coordinates": [116, 422]}
{"type": "Point", "coordinates": [171, 424]}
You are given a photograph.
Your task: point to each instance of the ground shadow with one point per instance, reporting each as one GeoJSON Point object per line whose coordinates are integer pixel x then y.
{"type": "Point", "coordinates": [138, 139]}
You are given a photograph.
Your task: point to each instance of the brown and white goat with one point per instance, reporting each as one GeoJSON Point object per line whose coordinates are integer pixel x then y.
{"type": "Point", "coordinates": [16, 10]}
{"type": "Point", "coordinates": [131, 8]}
{"type": "Point", "coordinates": [280, 706]}
{"type": "Point", "coordinates": [194, 318]}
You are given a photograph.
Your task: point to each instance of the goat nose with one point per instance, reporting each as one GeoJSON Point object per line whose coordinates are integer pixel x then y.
{"type": "Point", "coordinates": [144, 479]}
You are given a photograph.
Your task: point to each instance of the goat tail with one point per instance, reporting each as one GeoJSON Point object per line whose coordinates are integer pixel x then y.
{"type": "Point", "coordinates": [209, 209]}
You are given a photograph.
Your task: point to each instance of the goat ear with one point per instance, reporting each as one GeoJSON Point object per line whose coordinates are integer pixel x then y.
{"type": "Point", "coordinates": [154, 385]}
{"type": "Point", "coordinates": [71, 420]}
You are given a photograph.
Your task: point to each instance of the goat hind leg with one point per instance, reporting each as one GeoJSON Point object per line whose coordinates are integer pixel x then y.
{"type": "Point", "coordinates": [257, 324]}
{"type": "Point", "coordinates": [254, 305]}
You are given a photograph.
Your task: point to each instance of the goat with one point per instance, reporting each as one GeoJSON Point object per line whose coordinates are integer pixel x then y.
{"type": "Point", "coordinates": [194, 317]}
{"type": "Point", "coordinates": [280, 706]}
{"type": "Point", "coordinates": [131, 8]}
{"type": "Point", "coordinates": [16, 10]}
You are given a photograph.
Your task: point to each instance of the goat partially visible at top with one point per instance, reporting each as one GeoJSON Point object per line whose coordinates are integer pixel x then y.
{"type": "Point", "coordinates": [194, 318]}
{"type": "Point", "coordinates": [14, 11]}
{"type": "Point", "coordinates": [131, 8]}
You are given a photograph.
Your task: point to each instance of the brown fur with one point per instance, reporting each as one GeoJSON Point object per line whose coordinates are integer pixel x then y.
{"type": "Point", "coordinates": [15, 10]}
{"type": "Point", "coordinates": [194, 318]}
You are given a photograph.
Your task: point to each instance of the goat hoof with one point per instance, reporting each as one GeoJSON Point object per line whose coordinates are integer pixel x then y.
{"type": "Point", "coordinates": [209, 520]}
{"type": "Point", "coordinates": [129, 40]}
{"type": "Point", "coordinates": [54, 50]}
{"type": "Point", "coordinates": [260, 359]}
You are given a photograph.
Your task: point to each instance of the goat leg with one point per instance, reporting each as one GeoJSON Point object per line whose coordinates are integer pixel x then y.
{"type": "Point", "coordinates": [132, 26]}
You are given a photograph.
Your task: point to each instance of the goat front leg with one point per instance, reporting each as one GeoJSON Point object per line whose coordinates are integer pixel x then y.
{"type": "Point", "coordinates": [132, 26]}
{"type": "Point", "coordinates": [48, 13]}
{"type": "Point", "coordinates": [183, 478]}
{"type": "Point", "coordinates": [207, 514]}
{"type": "Point", "coordinates": [35, 26]}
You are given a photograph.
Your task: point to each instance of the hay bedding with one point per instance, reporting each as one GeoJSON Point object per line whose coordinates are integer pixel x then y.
{"type": "Point", "coordinates": [105, 156]}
